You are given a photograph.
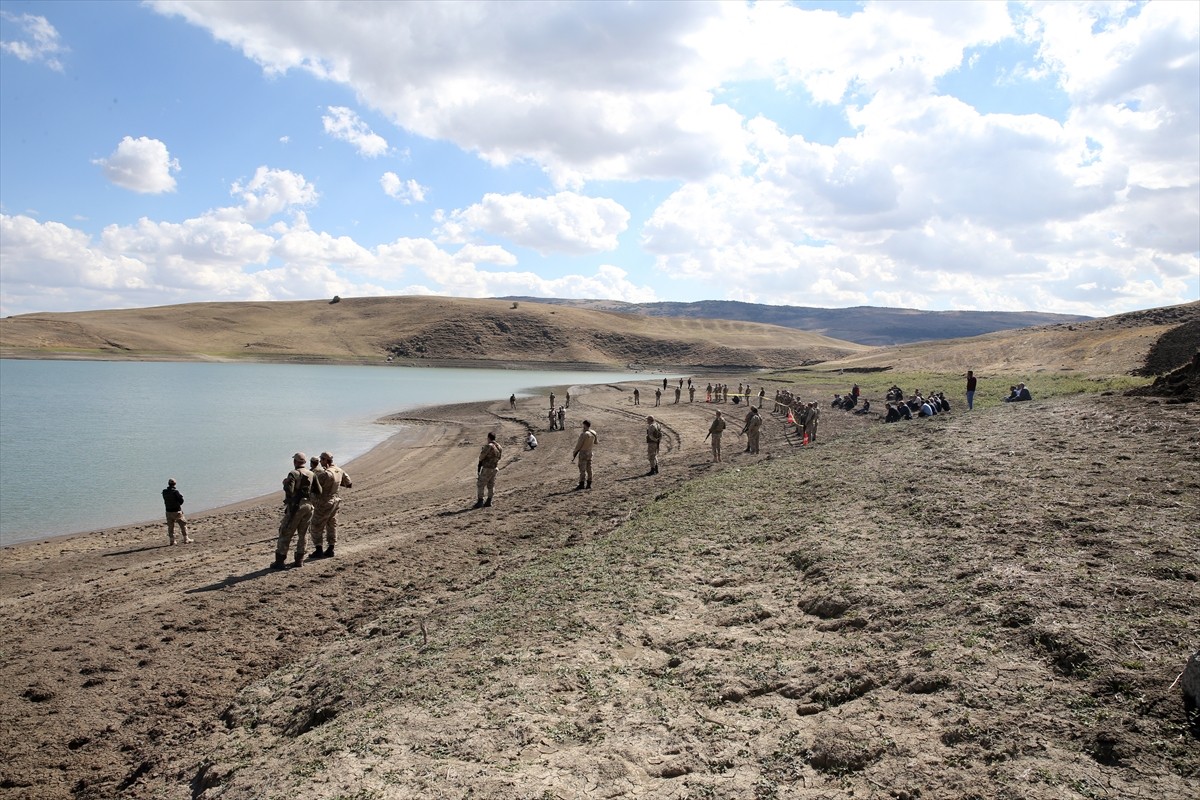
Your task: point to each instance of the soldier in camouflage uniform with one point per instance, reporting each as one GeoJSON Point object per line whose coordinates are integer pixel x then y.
{"type": "Point", "coordinates": [299, 488]}
{"type": "Point", "coordinates": [489, 465]}
{"type": "Point", "coordinates": [331, 478]}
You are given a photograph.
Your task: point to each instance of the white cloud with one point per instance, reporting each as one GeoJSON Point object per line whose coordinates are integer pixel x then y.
{"type": "Point", "coordinates": [406, 191]}
{"type": "Point", "coordinates": [141, 165]}
{"type": "Point", "coordinates": [344, 125]}
{"type": "Point", "coordinates": [40, 44]}
{"type": "Point", "coordinates": [563, 223]}
{"type": "Point", "coordinates": [271, 191]}
{"type": "Point", "coordinates": [584, 90]}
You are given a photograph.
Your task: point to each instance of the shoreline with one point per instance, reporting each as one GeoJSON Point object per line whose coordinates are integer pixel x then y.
{"type": "Point", "coordinates": [395, 439]}
{"type": "Point", "coordinates": [415, 435]}
{"type": "Point", "coordinates": [418, 433]}
{"type": "Point", "coordinates": [438, 363]}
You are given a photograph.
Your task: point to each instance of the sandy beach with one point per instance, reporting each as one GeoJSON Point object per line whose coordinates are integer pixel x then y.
{"type": "Point", "coordinates": [936, 609]}
{"type": "Point", "coordinates": [116, 642]}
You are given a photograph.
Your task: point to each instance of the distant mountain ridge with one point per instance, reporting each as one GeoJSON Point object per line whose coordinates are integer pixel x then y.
{"type": "Point", "coordinates": [869, 325]}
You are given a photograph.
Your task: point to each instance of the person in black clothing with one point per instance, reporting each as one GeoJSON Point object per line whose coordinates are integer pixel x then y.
{"type": "Point", "coordinates": [174, 503]}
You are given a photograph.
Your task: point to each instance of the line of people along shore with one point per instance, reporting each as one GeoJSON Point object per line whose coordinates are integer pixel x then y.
{"type": "Point", "coordinates": [311, 489]}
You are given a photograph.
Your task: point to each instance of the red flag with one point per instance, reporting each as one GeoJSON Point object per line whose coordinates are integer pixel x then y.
{"type": "Point", "coordinates": [791, 420]}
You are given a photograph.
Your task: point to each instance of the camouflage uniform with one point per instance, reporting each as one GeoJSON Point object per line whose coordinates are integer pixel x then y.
{"type": "Point", "coordinates": [653, 440]}
{"type": "Point", "coordinates": [753, 430]}
{"type": "Point", "coordinates": [299, 487]}
{"type": "Point", "coordinates": [714, 431]}
{"type": "Point", "coordinates": [489, 465]}
{"type": "Point", "coordinates": [324, 522]}
{"type": "Point", "coordinates": [583, 451]}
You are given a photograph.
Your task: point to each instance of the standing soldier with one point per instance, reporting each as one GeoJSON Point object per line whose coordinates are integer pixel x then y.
{"type": "Point", "coordinates": [553, 419]}
{"type": "Point", "coordinates": [678, 389]}
{"type": "Point", "coordinates": [752, 430]}
{"type": "Point", "coordinates": [653, 440]}
{"type": "Point", "coordinates": [298, 489]}
{"type": "Point", "coordinates": [552, 401]}
{"type": "Point", "coordinates": [330, 478]}
{"type": "Point", "coordinates": [714, 430]}
{"type": "Point", "coordinates": [691, 391]}
{"type": "Point", "coordinates": [562, 418]}
{"type": "Point", "coordinates": [489, 464]}
{"type": "Point", "coordinates": [512, 401]}
{"type": "Point", "coordinates": [583, 450]}
{"type": "Point", "coordinates": [173, 501]}
{"type": "Point", "coordinates": [762, 393]}
{"type": "Point", "coordinates": [637, 397]}
{"type": "Point", "coordinates": [658, 394]}
{"type": "Point", "coordinates": [810, 424]}
{"type": "Point", "coordinates": [750, 412]}
{"type": "Point", "coordinates": [972, 382]}
{"type": "Point", "coordinates": [568, 398]}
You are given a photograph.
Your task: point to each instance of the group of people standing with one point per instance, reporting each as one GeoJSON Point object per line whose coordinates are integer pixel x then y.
{"type": "Point", "coordinates": [311, 501]}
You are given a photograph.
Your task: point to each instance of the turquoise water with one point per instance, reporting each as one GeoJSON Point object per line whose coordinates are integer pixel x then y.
{"type": "Point", "coordinates": [88, 444]}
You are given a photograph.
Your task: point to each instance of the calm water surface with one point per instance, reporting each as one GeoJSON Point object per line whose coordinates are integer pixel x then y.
{"type": "Point", "coordinates": [90, 444]}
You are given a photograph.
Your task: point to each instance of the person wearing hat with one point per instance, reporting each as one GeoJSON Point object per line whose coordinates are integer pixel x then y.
{"type": "Point", "coordinates": [174, 503]}
{"type": "Point", "coordinates": [330, 479]}
{"type": "Point", "coordinates": [299, 489]}
{"type": "Point", "coordinates": [653, 441]}
{"type": "Point", "coordinates": [489, 465]}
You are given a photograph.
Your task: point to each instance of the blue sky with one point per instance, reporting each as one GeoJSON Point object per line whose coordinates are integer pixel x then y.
{"type": "Point", "coordinates": [983, 155]}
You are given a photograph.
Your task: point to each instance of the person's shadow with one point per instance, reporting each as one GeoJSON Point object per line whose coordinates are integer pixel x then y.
{"type": "Point", "coordinates": [232, 580]}
{"type": "Point", "coordinates": [135, 550]}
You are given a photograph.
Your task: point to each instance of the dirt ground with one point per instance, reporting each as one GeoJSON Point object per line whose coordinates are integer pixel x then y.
{"type": "Point", "coordinates": [985, 604]}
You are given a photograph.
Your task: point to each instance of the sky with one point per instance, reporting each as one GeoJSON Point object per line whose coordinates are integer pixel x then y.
{"type": "Point", "coordinates": [1019, 156]}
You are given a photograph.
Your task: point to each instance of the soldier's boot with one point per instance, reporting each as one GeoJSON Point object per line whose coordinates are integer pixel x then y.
{"type": "Point", "coordinates": [298, 561]}
{"type": "Point", "coordinates": [318, 553]}
{"type": "Point", "coordinates": [278, 563]}
{"type": "Point", "coordinates": [589, 484]}
{"type": "Point", "coordinates": [172, 541]}
{"type": "Point", "coordinates": [328, 552]}
{"type": "Point", "coordinates": [478, 503]}
{"type": "Point", "coordinates": [487, 503]}
{"type": "Point", "coordinates": [580, 486]}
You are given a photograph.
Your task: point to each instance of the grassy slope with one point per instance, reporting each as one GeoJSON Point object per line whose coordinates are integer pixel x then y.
{"type": "Point", "coordinates": [1115, 345]}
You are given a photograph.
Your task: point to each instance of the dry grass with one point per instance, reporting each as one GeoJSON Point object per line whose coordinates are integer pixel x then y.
{"type": "Point", "coordinates": [425, 330]}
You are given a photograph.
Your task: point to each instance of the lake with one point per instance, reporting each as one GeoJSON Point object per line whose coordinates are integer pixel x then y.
{"type": "Point", "coordinates": [90, 444]}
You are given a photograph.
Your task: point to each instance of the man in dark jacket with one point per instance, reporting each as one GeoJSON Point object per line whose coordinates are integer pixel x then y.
{"type": "Point", "coordinates": [174, 503]}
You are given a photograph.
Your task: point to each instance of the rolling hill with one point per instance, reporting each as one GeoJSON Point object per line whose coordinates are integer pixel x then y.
{"type": "Point", "coordinates": [869, 325]}
{"type": "Point", "coordinates": [426, 330]}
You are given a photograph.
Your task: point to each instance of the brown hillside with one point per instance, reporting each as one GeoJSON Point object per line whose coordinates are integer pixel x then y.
{"type": "Point", "coordinates": [1141, 342]}
{"type": "Point", "coordinates": [411, 329]}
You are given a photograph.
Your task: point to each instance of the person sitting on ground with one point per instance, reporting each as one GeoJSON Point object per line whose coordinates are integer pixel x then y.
{"type": "Point", "coordinates": [837, 401]}
{"type": "Point", "coordinates": [926, 410]}
{"type": "Point", "coordinates": [905, 411]}
{"type": "Point", "coordinates": [1022, 394]}
{"type": "Point", "coordinates": [943, 403]}
{"type": "Point", "coordinates": [892, 414]}
{"type": "Point", "coordinates": [531, 441]}
{"type": "Point", "coordinates": [1012, 394]}
{"type": "Point", "coordinates": [866, 409]}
